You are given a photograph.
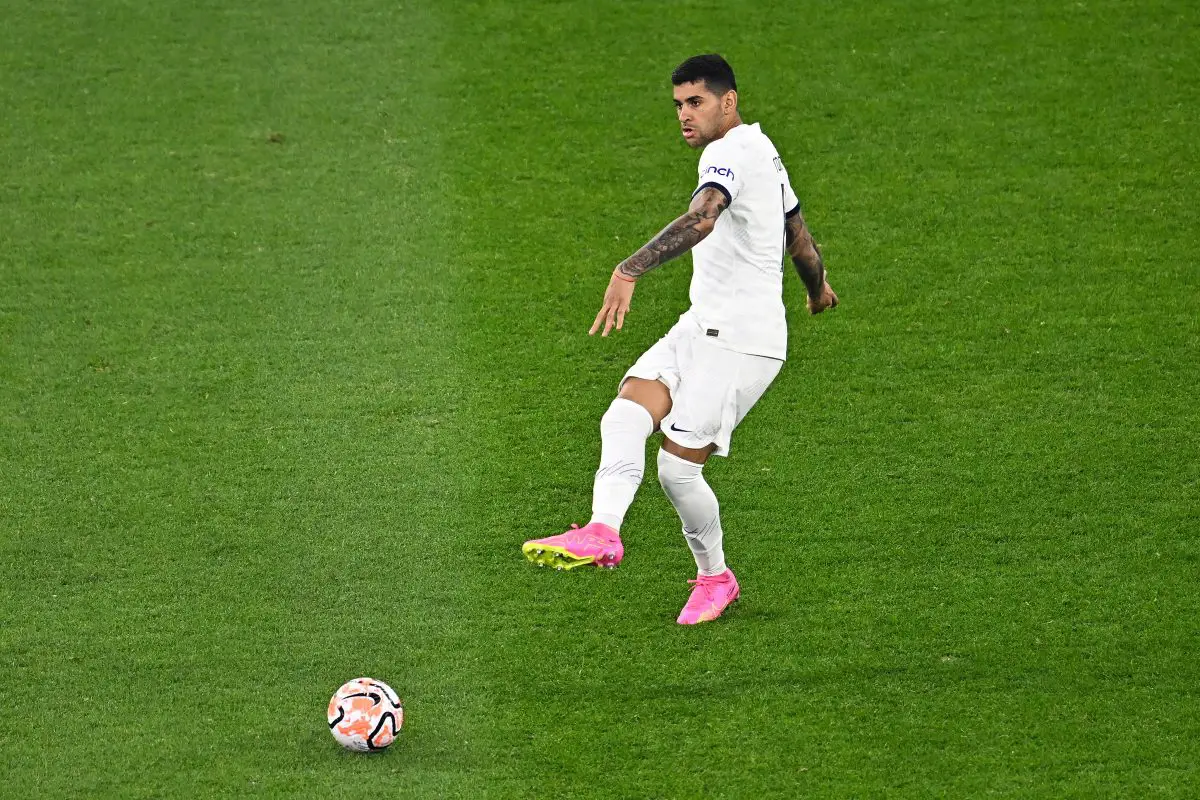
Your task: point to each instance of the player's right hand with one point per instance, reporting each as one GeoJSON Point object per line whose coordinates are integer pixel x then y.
{"type": "Point", "coordinates": [616, 303]}
{"type": "Point", "coordinates": [827, 299]}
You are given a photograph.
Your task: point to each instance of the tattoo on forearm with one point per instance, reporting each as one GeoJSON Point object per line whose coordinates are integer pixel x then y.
{"type": "Point", "coordinates": [677, 238]}
{"type": "Point", "coordinates": [805, 255]}
{"type": "Point", "coordinates": [811, 270]}
{"type": "Point", "coordinates": [674, 240]}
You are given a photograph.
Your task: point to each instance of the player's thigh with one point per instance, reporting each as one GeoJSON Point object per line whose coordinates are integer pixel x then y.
{"type": "Point", "coordinates": [717, 389]}
{"type": "Point", "coordinates": [707, 380]}
{"type": "Point", "coordinates": [651, 382]}
{"type": "Point", "coordinates": [695, 455]}
{"type": "Point", "coordinates": [651, 395]}
{"type": "Point", "coordinates": [753, 381]}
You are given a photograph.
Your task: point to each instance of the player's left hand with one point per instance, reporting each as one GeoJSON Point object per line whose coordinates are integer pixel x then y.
{"type": "Point", "coordinates": [616, 302]}
{"type": "Point", "coordinates": [826, 299]}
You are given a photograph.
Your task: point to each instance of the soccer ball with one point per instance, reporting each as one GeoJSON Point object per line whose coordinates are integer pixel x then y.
{"type": "Point", "coordinates": [365, 715]}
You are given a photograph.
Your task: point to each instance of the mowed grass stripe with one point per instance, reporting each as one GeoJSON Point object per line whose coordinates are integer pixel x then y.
{"type": "Point", "coordinates": [229, 326]}
{"type": "Point", "coordinates": [949, 528]}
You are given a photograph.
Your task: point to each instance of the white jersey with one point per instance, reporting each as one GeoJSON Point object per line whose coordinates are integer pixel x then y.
{"type": "Point", "coordinates": [737, 271]}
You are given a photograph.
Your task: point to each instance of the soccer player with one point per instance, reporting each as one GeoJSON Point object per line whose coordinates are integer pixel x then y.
{"type": "Point", "coordinates": [697, 382]}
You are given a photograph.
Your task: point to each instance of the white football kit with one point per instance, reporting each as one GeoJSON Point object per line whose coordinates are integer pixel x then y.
{"type": "Point", "coordinates": [725, 350]}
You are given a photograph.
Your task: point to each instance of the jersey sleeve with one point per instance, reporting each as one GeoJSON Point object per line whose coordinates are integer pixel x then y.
{"type": "Point", "coordinates": [720, 169]}
{"type": "Point", "coordinates": [791, 204]}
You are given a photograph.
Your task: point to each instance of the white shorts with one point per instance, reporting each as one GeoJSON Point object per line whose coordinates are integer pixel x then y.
{"type": "Point", "coordinates": [711, 388]}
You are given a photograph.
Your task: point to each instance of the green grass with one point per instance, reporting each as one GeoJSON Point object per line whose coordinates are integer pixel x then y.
{"type": "Point", "coordinates": [293, 301]}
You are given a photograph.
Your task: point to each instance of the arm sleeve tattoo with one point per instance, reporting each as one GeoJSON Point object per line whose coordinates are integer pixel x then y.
{"type": "Point", "coordinates": [680, 236]}
{"type": "Point", "coordinates": [805, 255]}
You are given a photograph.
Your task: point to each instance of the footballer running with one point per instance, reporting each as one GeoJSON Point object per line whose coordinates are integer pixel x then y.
{"type": "Point", "coordinates": [697, 382]}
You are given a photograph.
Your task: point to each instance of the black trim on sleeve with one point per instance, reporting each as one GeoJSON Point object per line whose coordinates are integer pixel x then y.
{"type": "Point", "coordinates": [715, 185]}
{"type": "Point", "coordinates": [793, 212]}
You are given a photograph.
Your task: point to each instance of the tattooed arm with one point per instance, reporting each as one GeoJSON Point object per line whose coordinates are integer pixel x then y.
{"type": "Point", "coordinates": [672, 241]}
{"type": "Point", "coordinates": [680, 236]}
{"type": "Point", "coordinates": [809, 265]}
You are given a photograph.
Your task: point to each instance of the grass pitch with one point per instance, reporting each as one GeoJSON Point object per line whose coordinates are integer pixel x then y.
{"type": "Point", "coordinates": [293, 301]}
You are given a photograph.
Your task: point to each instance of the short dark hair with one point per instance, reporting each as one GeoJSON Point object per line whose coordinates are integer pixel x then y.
{"type": "Point", "coordinates": [710, 68]}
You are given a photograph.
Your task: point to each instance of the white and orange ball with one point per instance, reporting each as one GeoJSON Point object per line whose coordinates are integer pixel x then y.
{"type": "Point", "coordinates": [365, 714]}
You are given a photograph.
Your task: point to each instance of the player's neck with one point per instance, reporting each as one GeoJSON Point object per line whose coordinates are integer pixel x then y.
{"type": "Point", "coordinates": [732, 123]}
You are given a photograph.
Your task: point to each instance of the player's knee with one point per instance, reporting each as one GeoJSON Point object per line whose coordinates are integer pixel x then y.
{"type": "Point", "coordinates": [626, 416]}
{"type": "Point", "coordinates": [650, 395]}
{"type": "Point", "coordinates": [674, 472]}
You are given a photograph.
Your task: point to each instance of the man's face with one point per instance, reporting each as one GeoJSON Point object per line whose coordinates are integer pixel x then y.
{"type": "Point", "coordinates": [701, 113]}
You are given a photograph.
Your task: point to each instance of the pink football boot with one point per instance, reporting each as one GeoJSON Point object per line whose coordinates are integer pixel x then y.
{"type": "Point", "coordinates": [594, 543]}
{"type": "Point", "coordinates": [710, 597]}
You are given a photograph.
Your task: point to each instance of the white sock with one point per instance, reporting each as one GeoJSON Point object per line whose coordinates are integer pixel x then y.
{"type": "Point", "coordinates": [684, 483]}
{"type": "Point", "coordinates": [624, 429]}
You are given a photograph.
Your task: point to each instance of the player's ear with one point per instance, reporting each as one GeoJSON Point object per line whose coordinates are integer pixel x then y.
{"type": "Point", "coordinates": [729, 102]}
